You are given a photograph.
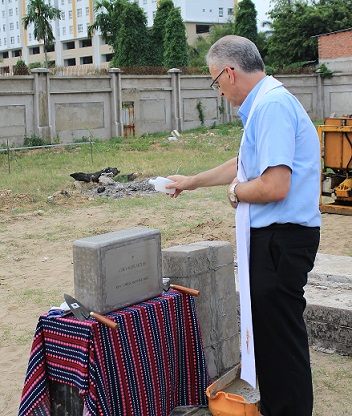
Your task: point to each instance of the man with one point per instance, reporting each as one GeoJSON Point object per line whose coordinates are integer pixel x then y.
{"type": "Point", "coordinates": [275, 182]}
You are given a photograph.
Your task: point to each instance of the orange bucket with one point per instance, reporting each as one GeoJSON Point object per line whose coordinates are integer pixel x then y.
{"type": "Point", "coordinates": [223, 399]}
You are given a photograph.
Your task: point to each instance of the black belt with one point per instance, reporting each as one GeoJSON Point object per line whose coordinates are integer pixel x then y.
{"type": "Point", "coordinates": [286, 225]}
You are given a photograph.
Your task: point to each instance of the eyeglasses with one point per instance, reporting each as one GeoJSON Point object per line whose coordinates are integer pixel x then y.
{"type": "Point", "coordinates": [215, 85]}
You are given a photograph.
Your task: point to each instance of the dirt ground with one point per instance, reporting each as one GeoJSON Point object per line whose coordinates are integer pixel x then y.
{"type": "Point", "coordinates": [36, 269]}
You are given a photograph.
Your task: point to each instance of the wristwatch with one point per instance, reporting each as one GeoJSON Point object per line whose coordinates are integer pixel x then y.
{"type": "Point", "coordinates": [232, 193]}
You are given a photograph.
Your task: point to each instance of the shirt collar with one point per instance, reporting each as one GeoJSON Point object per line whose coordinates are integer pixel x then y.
{"type": "Point", "coordinates": [246, 106]}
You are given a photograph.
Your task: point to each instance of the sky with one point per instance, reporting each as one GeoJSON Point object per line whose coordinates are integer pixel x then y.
{"type": "Point", "coordinates": [262, 6]}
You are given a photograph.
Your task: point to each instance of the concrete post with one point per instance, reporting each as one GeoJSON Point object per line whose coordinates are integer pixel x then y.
{"type": "Point", "coordinates": [41, 111]}
{"type": "Point", "coordinates": [116, 102]}
{"type": "Point", "coordinates": [320, 96]}
{"type": "Point", "coordinates": [176, 101]}
{"type": "Point", "coordinates": [209, 267]}
{"type": "Point", "coordinates": [228, 111]}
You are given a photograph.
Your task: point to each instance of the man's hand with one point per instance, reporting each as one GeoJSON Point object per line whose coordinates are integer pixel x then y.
{"type": "Point", "coordinates": [181, 183]}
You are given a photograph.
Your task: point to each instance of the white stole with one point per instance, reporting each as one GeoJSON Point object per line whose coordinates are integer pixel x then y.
{"type": "Point", "coordinates": [248, 372]}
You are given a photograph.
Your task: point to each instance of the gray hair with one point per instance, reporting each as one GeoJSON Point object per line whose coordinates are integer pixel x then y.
{"type": "Point", "coordinates": [237, 52]}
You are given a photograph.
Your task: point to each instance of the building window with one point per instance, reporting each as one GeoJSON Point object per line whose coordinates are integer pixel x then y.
{"type": "Point", "coordinates": [51, 48]}
{"type": "Point", "coordinates": [16, 11]}
{"type": "Point", "coordinates": [68, 45]}
{"type": "Point", "coordinates": [62, 2]}
{"type": "Point", "coordinates": [30, 37]}
{"type": "Point", "coordinates": [4, 28]}
{"type": "Point", "coordinates": [62, 15]}
{"type": "Point", "coordinates": [71, 30]}
{"type": "Point", "coordinates": [70, 62]}
{"type": "Point", "coordinates": [34, 51]}
{"type": "Point", "coordinates": [79, 12]}
{"type": "Point", "coordinates": [5, 55]}
{"type": "Point", "coordinates": [107, 58]}
{"type": "Point", "coordinates": [87, 11]}
{"type": "Point", "coordinates": [80, 28]}
{"type": "Point", "coordinates": [64, 30]}
{"type": "Point", "coordinates": [12, 26]}
{"type": "Point", "coordinates": [16, 53]}
{"type": "Point", "coordinates": [12, 40]}
{"type": "Point", "coordinates": [86, 60]}
{"type": "Point", "coordinates": [203, 10]}
{"type": "Point", "coordinates": [202, 29]}
{"type": "Point", "coordinates": [18, 39]}
{"type": "Point", "coordinates": [70, 14]}
{"type": "Point", "coordinates": [230, 12]}
{"type": "Point", "coordinates": [84, 43]}
{"type": "Point", "coordinates": [11, 12]}
{"type": "Point", "coordinates": [17, 25]}
{"type": "Point", "coordinates": [5, 41]}
{"type": "Point", "coordinates": [3, 14]}
{"type": "Point", "coordinates": [154, 14]}
{"type": "Point", "coordinates": [221, 12]}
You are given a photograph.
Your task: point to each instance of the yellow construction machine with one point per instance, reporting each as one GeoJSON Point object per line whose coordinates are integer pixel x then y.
{"type": "Point", "coordinates": [336, 150]}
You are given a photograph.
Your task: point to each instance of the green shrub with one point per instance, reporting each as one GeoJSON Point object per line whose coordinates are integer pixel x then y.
{"type": "Point", "coordinates": [33, 141]}
{"type": "Point", "coordinates": [20, 68]}
{"type": "Point", "coordinates": [34, 65]}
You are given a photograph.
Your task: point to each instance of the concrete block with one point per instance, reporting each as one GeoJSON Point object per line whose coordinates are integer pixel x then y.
{"type": "Point", "coordinates": [185, 261]}
{"type": "Point", "coordinates": [329, 328]}
{"type": "Point", "coordinates": [209, 267]}
{"type": "Point", "coordinates": [220, 252]}
{"type": "Point", "coordinates": [117, 269]}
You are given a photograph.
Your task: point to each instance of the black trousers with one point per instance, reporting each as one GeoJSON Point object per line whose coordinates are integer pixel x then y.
{"type": "Point", "coordinates": [281, 255]}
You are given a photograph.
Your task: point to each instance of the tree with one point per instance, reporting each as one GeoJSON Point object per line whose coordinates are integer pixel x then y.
{"type": "Point", "coordinates": [108, 20]}
{"type": "Point", "coordinates": [199, 49]}
{"type": "Point", "coordinates": [158, 31]}
{"type": "Point", "coordinates": [175, 41]}
{"type": "Point", "coordinates": [40, 15]}
{"type": "Point", "coordinates": [133, 38]}
{"type": "Point", "coordinates": [197, 52]}
{"type": "Point", "coordinates": [246, 20]}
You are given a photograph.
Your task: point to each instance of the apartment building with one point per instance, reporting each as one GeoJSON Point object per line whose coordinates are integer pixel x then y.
{"type": "Point", "coordinates": [72, 46]}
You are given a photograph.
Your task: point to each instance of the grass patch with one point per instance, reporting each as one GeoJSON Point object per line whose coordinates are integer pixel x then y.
{"type": "Point", "coordinates": [38, 173]}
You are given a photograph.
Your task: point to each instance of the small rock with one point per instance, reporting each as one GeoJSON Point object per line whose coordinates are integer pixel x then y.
{"type": "Point", "coordinates": [106, 180]}
{"type": "Point", "coordinates": [324, 350]}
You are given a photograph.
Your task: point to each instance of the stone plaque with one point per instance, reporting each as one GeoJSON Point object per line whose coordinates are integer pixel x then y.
{"type": "Point", "coordinates": [133, 269]}
{"type": "Point", "coordinates": [117, 269]}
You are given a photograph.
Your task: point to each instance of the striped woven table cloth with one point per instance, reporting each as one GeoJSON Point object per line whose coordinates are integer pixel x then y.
{"type": "Point", "coordinates": [153, 363]}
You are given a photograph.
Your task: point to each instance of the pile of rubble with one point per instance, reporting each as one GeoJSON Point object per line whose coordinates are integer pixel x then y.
{"type": "Point", "coordinates": [120, 190]}
{"type": "Point", "coordinates": [105, 186]}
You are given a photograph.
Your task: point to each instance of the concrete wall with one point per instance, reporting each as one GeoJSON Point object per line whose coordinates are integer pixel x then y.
{"type": "Point", "coordinates": [63, 109]}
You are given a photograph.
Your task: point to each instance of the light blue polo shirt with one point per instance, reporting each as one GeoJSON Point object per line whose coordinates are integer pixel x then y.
{"type": "Point", "coordinates": [280, 132]}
